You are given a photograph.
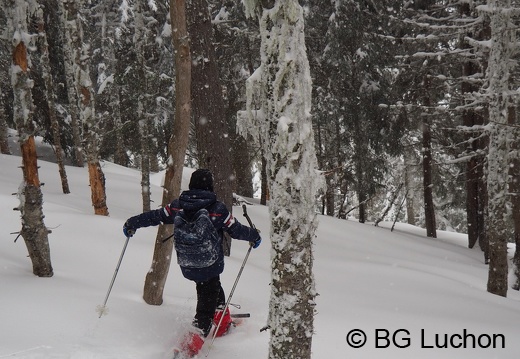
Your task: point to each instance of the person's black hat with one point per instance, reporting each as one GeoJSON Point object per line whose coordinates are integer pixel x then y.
{"type": "Point", "coordinates": [202, 179]}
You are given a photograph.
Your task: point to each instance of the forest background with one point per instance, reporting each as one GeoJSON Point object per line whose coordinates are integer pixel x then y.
{"type": "Point", "coordinates": [413, 108]}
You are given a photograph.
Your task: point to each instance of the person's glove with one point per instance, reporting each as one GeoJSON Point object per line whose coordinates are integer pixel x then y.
{"type": "Point", "coordinates": [256, 243]}
{"type": "Point", "coordinates": [128, 231]}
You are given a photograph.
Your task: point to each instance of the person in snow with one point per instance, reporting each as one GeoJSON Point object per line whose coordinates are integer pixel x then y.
{"type": "Point", "coordinates": [205, 264]}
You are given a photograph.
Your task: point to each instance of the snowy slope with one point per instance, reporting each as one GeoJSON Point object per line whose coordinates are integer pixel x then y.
{"type": "Point", "coordinates": [368, 278]}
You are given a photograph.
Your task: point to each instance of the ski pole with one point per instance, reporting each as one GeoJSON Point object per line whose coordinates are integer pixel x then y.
{"type": "Point", "coordinates": [235, 284]}
{"type": "Point", "coordinates": [247, 217]}
{"type": "Point", "coordinates": [102, 309]}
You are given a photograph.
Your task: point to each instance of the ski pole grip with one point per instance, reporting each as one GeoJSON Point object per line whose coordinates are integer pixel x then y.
{"type": "Point", "coordinates": [247, 217]}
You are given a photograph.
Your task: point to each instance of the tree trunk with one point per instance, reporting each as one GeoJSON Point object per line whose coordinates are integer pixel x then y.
{"type": "Point", "coordinates": [329, 195]}
{"type": "Point", "coordinates": [264, 191]}
{"type": "Point", "coordinates": [475, 190]}
{"type": "Point", "coordinates": [240, 150]}
{"type": "Point", "coordinates": [211, 128]}
{"type": "Point", "coordinates": [514, 190]}
{"type": "Point", "coordinates": [145, 166]}
{"type": "Point", "coordinates": [49, 89]}
{"type": "Point", "coordinates": [4, 131]}
{"type": "Point", "coordinates": [4, 144]}
{"type": "Point", "coordinates": [429, 209]}
{"type": "Point", "coordinates": [502, 40]}
{"type": "Point", "coordinates": [158, 273]}
{"type": "Point", "coordinates": [144, 128]}
{"type": "Point", "coordinates": [287, 139]}
{"type": "Point", "coordinates": [92, 133]}
{"type": "Point", "coordinates": [361, 194]}
{"type": "Point", "coordinates": [33, 231]}
{"type": "Point", "coordinates": [409, 183]}
{"type": "Point", "coordinates": [72, 51]}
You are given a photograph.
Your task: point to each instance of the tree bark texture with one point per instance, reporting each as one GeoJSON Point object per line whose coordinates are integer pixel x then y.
{"type": "Point", "coordinates": [475, 179]}
{"type": "Point", "coordinates": [498, 74]}
{"type": "Point", "coordinates": [72, 45]}
{"type": "Point", "coordinates": [86, 106]}
{"type": "Point", "coordinates": [33, 231]}
{"type": "Point", "coordinates": [285, 133]}
{"type": "Point", "coordinates": [211, 128]}
{"type": "Point", "coordinates": [4, 144]}
{"type": "Point", "coordinates": [212, 132]}
{"type": "Point", "coordinates": [514, 190]}
{"type": "Point", "coordinates": [429, 209]}
{"type": "Point", "coordinates": [158, 273]}
{"type": "Point", "coordinates": [51, 101]}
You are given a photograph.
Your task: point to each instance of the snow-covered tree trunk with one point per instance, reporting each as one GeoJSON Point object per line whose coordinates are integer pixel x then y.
{"type": "Point", "coordinates": [85, 103]}
{"type": "Point", "coordinates": [514, 190]}
{"type": "Point", "coordinates": [283, 125]}
{"type": "Point", "coordinates": [34, 232]}
{"type": "Point", "coordinates": [498, 76]}
{"type": "Point", "coordinates": [158, 273]}
{"type": "Point", "coordinates": [72, 47]}
{"type": "Point", "coordinates": [51, 101]}
{"type": "Point", "coordinates": [476, 188]}
{"type": "Point", "coordinates": [108, 86]}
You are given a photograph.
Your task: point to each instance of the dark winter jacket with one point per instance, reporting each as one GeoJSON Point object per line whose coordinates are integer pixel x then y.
{"type": "Point", "coordinates": [190, 202]}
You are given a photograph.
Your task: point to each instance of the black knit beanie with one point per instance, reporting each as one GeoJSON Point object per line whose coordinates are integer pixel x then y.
{"type": "Point", "coordinates": [201, 179]}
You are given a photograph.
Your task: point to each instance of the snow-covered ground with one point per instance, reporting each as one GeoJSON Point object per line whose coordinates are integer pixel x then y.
{"type": "Point", "coordinates": [398, 285]}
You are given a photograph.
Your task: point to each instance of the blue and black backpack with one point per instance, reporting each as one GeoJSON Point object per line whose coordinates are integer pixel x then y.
{"type": "Point", "coordinates": [196, 240]}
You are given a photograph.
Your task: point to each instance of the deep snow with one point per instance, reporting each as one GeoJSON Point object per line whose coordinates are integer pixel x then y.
{"type": "Point", "coordinates": [367, 277]}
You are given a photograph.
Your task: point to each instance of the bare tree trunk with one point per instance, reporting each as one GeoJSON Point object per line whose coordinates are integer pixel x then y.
{"type": "Point", "coordinates": [264, 194]}
{"type": "Point", "coordinates": [49, 88]}
{"type": "Point", "coordinates": [429, 209]}
{"type": "Point", "coordinates": [120, 156]}
{"type": "Point", "coordinates": [329, 195]}
{"type": "Point", "coordinates": [144, 127]}
{"type": "Point", "coordinates": [361, 194]}
{"type": "Point", "coordinates": [409, 184]}
{"type": "Point", "coordinates": [4, 144]}
{"type": "Point", "coordinates": [156, 276]}
{"type": "Point", "coordinates": [145, 165]}
{"type": "Point", "coordinates": [34, 232]}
